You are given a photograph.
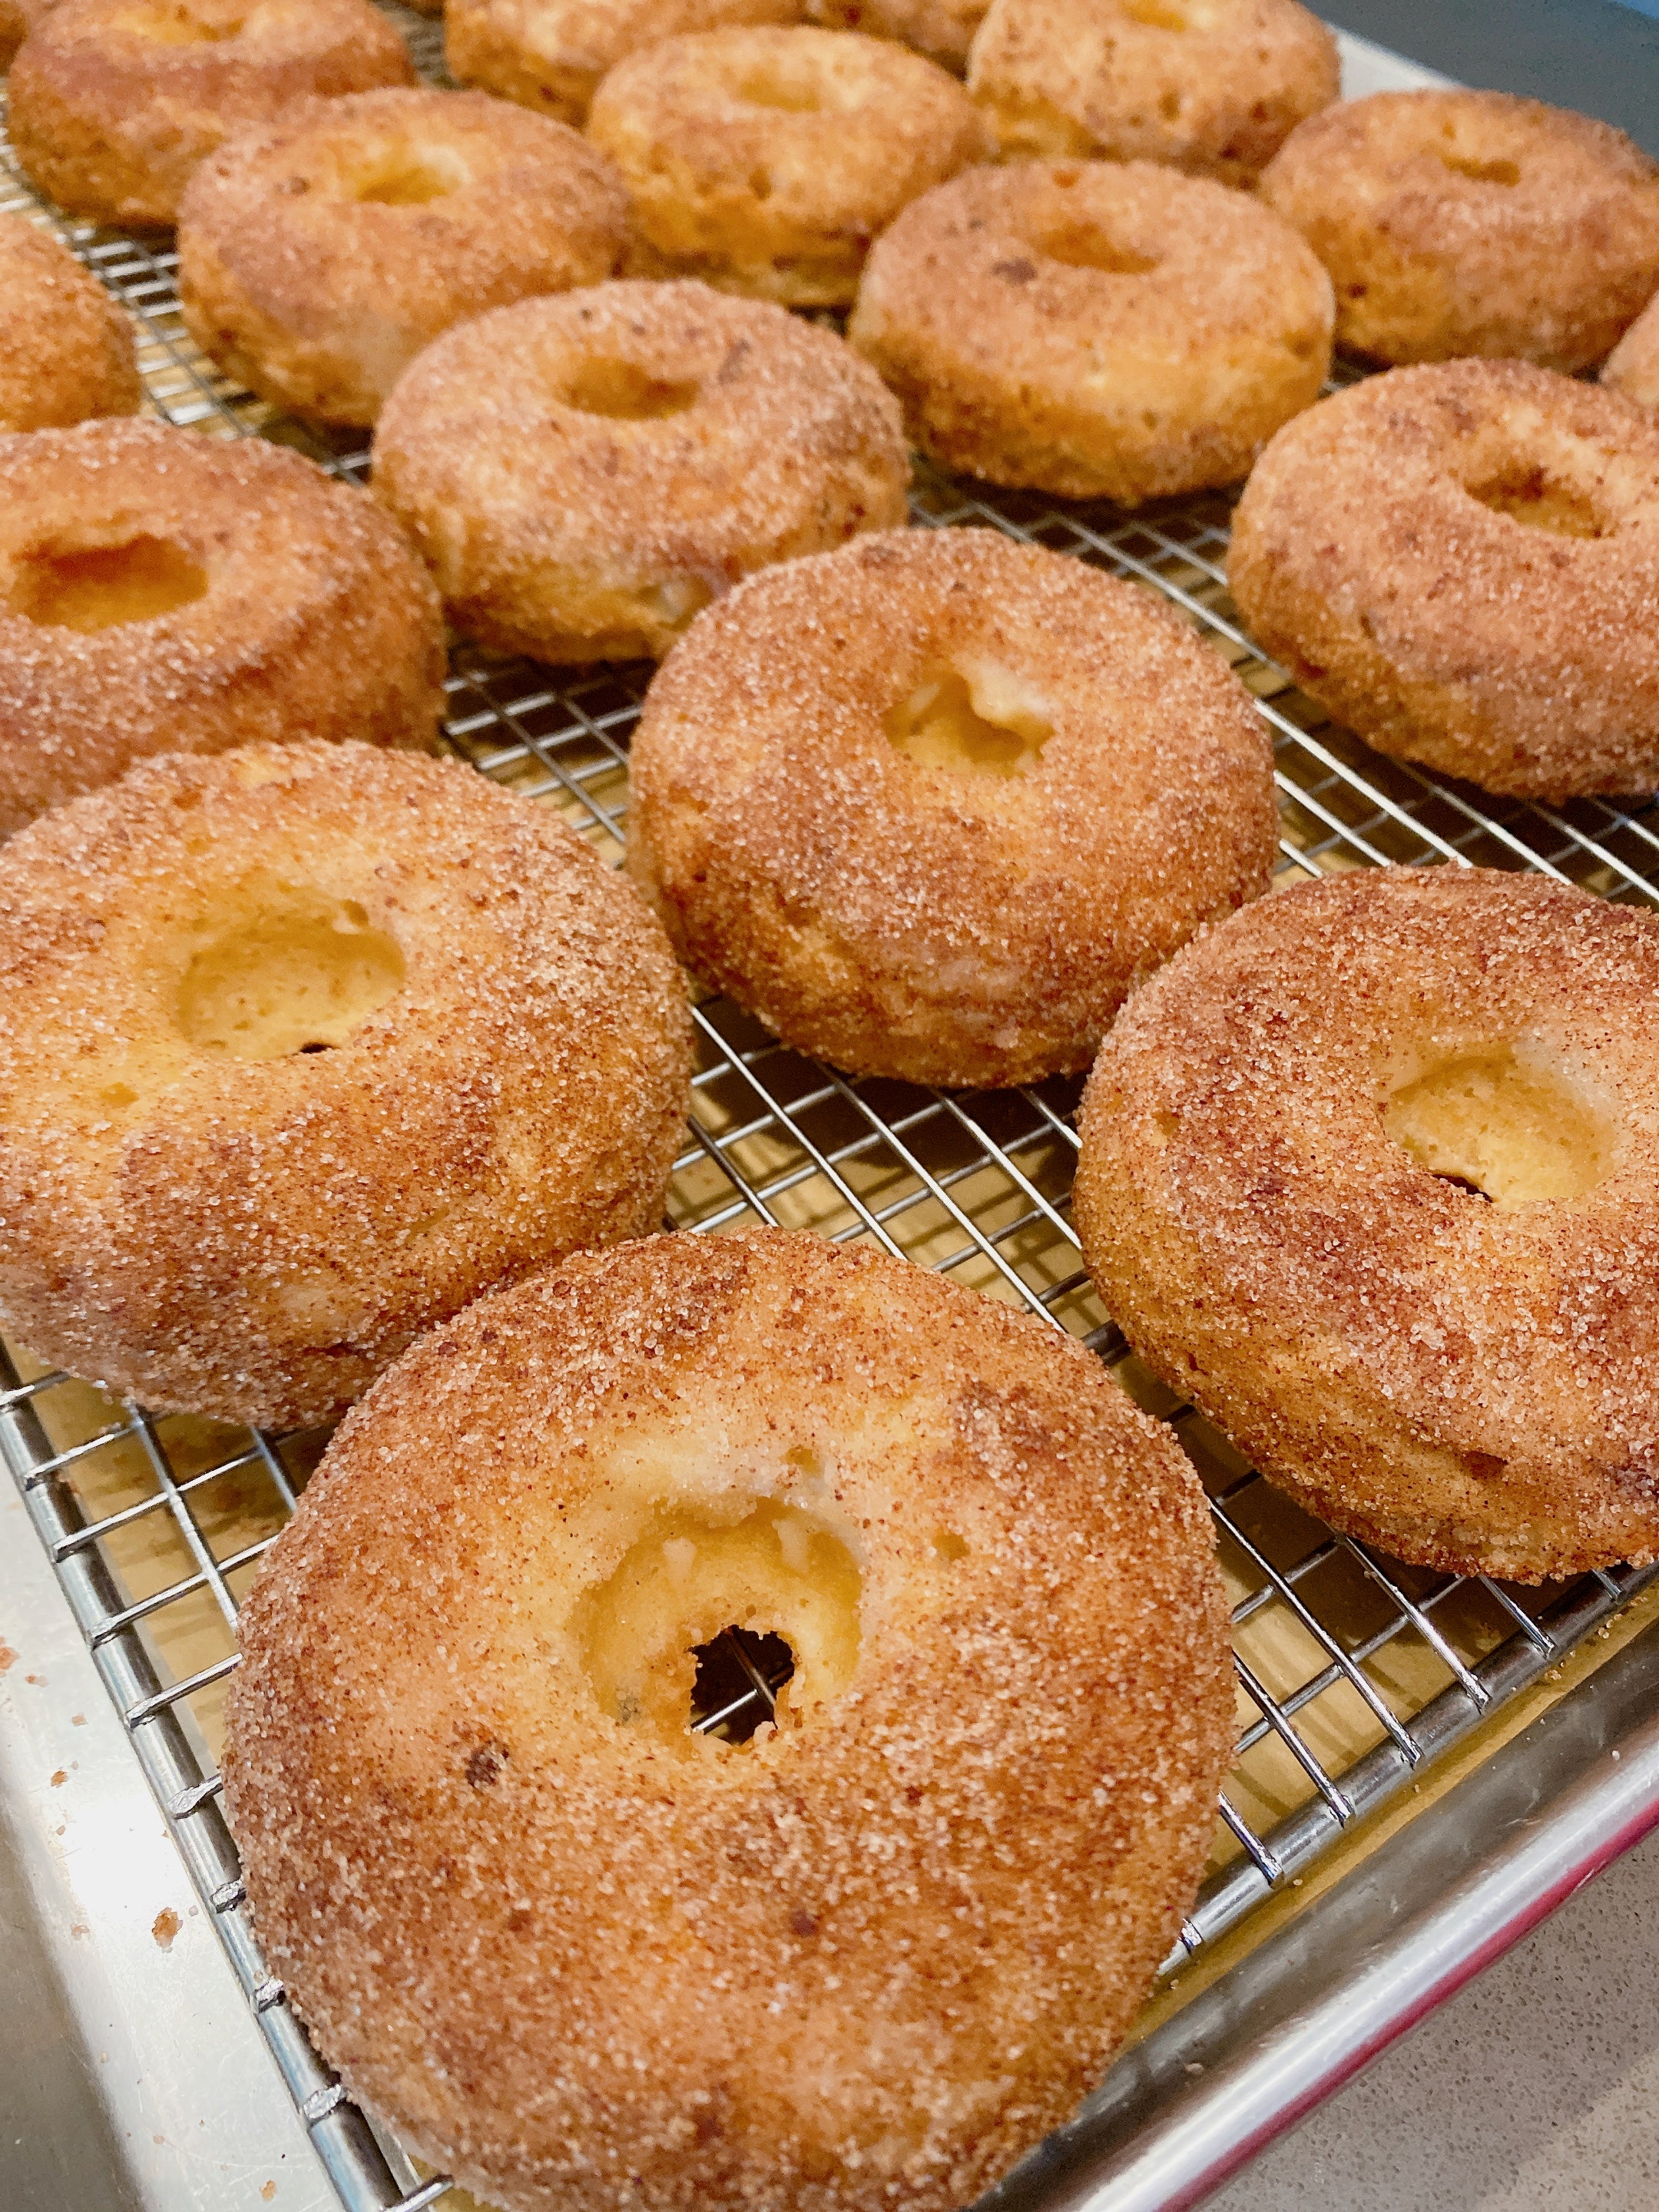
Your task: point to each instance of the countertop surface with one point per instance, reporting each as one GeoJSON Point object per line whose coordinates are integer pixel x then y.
{"type": "Point", "coordinates": [1534, 2090]}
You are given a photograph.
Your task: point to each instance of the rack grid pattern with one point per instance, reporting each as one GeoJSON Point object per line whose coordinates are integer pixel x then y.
{"type": "Point", "coordinates": [1353, 1670]}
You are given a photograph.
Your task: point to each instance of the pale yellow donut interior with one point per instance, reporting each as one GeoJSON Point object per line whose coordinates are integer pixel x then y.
{"type": "Point", "coordinates": [93, 587]}
{"type": "Point", "coordinates": [407, 174]}
{"type": "Point", "coordinates": [1503, 1120]}
{"type": "Point", "coordinates": [977, 721]}
{"type": "Point", "coordinates": [624, 393]}
{"type": "Point", "coordinates": [1482, 172]}
{"type": "Point", "coordinates": [1170, 15]}
{"type": "Point", "coordinates": [298, 972]}
{"type": "Point", "coordinates": [177, 25]}
{"type": "Point", "coordinates": [793, 90]}
{"type": "Point", "coordinates": [1087, 245]}
{"type": "Point", "coordinates": [771, 1569]}
{"type": "Point", "coordinates": [1531, 496]}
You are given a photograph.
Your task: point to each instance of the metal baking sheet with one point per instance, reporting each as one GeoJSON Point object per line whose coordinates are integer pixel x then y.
{"type": "Point", "coordinates": [1356, 1674]}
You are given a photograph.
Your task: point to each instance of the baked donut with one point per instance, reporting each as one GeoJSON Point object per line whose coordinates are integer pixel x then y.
{"type": "Point", "coordinates": [301, 1048]}
{"type": "Point", "coordinates": [165, 592]}
{"type": "Point", "coordinates": [1370, 1173]}
{"type": "Point", "coordinates": [550, 54]}
{"type": "Point", "coordinates": [66, 349]}
{"type": "Point", "coordinates": [942, 29]}
{"type": "Point", "coordinates": [1097, 329]}
{"type": "Point", "coordinates": [1632, 367]}
{"type": "Point", "coordinates": [1472, 222]}
{"type": "Point", "coordinates": [318, 256]}
{"type": "Point", "coordinates": [583, 473]}
{"type": "Point", "coordinates": [765, 160]}
{"type": "Point", "coordinates": [112, 104]}
{"type": "Point", "coordinates": [1212, 87]}
{"type": "Point", "coordinates": [1460, 561]}
{"type": "Point", "coordinates": [866, 1958]}
{"type": "Point", "coordinates": [932, 805]}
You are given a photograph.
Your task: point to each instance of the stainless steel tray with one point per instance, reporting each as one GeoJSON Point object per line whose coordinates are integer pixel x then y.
{"type": "Point", "coordinates": [1356, 1674]}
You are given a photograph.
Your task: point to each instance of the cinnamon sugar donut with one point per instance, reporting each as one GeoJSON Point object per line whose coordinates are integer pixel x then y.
{"type": "Point", "coordinates": [862, 1961]}
{"type": "Point", "coordinates": [931, 805]}
{"type": "Point", "coordinates": [1472, 223]}
{"type": "Point", "coordinates": [1212, 87]}
{"type": "Point", "coordinates": [765, 160]}
{"type": "Point", "coordinates": [66, 350]}
{"type": "Point", "coordinates": [583, 473]}
{"type": "Point", "coordinates": [550, 54]}
{"type": "Point", "coordinates": [1632, 367]}
{"type": "Point", "coordinates": [161, 590]}
{"type": "Point", "coordinates": [1099, 329]}
{"type": "Point", "coordinates": [112, 103]}
{"type": "Point", "coordinates": [318, 256]}
{"type": "Point", "coordinates": [1370, 1173]}
{"type": "Point", "coordinates": [301, 1048]}
{"type": "Point", "coordinates": [1460, 561]}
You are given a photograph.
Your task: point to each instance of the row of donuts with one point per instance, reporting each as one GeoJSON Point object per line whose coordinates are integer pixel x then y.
{"type": "Point", "coordinates": [1459, 560]}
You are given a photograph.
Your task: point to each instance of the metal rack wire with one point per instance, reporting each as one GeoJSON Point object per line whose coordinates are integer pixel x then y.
{"type": "Point", "coordinates": [1353, 1670]}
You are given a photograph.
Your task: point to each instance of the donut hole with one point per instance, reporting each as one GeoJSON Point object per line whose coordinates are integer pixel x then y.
{"type": "Point", "coordinates": [739, 1679]}
{"type": "Point", "coordinates": [1530, 494]}
{"type": "Point", "coordinates": [1087, 246]}
{"type": "Point", "coordinates": [982, 721]}
{"type": "Point", "coordinates": [1503, 1123]}
{"type": "Point", "coordinates": [790, 89]}
{"type": "Point", "coordinates": [709, 1628]}
{"type": "Point", "coordinates": [94, 587]}
{"type": "Point", "coordinates": [298, 976]}
{"type": "Point", "coordinates": [178, 27]}
{"type": "Point", "coordinates": [1481, 173]}
{"type": "Point", "coordinates": [409, 176]}
{"type": "Point", "coordinates": [1168, 15]}
{"type": "Point", "coordinates": [624, 392]}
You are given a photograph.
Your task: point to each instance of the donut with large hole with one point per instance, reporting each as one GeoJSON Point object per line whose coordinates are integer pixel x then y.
{"type": "Point", "coordinates": [316, 258]}
{"type": "Point", "coordinates": [550, 54]}
{"type": "Point", "coordinates": [583, 473]}
{"type": "Point", "coordinates": [1097, 329]}
{"type": "Point", "coordinates": [930, 807]}
{"type": "Point", "coordinates": [1369, 1172]}
{"type": "Point", "coordinates": [1212, 87]}
{"type": "Point", "coordinates": [66, 349]}
{"type": "Point", "coordinates": [866, 1958]}
{"type": "Point", "coordinates": [165, 592]}
{"type": "Point", "coordinates": [1460, 561]}
{"type": "Point", "coordinates": [113, 104]}
{"type": "Point", "coordinates": [765, 160]}
{"type": "Point", "coordinates": [1472, 222]}
{"type": "Point", "coordinates": [302, 1048]}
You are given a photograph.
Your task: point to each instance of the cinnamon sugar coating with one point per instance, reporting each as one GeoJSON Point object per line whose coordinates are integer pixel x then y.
{"type": "Point", "coordinates": [1460, 561]}
{"type": "Point", "coordinates": [583, 473]}
{"type": "Point", "coordinates": [1460, 222]}
{"type": "Point", "coordinates": [1462, 1380]}
{"type": "Point", "coordinates": [115, 102]}
{"type": "Point", "coordinates": [1213, 89]}
{"type": "Point", "coordinates": [764, 160]}
{"type": "Point", "coordinates": [316, 258]}
{"type": "Point", "coordinates": [1099, 329]}
{"type": "Point", "coordinates": [550, 54]}
{"type": "Point", "coordinates": [494, 1069]}
{"type": "Point", "coordinates": [942, 29]}
{"type": "Point", "coordinates": [310, 616]}
{"type": "Point", "coordinates": [66, 349]}
{"type": "Point", "coordinates": [894, 915]}
{"type": "Point", "coordinates": [1632, 367]}
{"type": "Point", "coordinates": [866, 1960]}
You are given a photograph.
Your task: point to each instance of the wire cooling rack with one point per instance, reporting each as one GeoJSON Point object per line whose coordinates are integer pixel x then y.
{"type": "Point", "coordinates": [1354, 1670]}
